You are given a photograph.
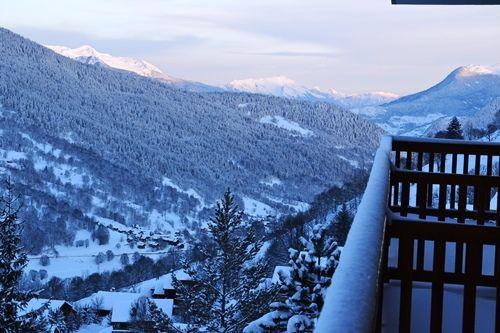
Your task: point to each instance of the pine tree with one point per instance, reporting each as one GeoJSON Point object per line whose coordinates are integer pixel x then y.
{"type": "Point", "coordinates": [304, 288]}
{"type": "Point", "coordinates": [161, 322]}
{"type": "Point", "coordinates": [454, 130]}
{"type": "Point", "coordinates": [147, 317]}
{"type": "Point", "coordinates": [13, 260]}
{"type": "Point", "coordinates": [342, 225]}
{"type": "Point", "coordinates": [227, 291]}
{"type": "Point", "coordinates": [58, 321]}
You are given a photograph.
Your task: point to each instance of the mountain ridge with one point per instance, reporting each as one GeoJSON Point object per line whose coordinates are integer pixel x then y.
{"type": "Point", "coordinates": [173, 143]}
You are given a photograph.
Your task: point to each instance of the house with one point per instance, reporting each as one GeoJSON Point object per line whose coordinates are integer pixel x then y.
{"type": "Point", "coordinates": [162, 287]}
{"type": "Point", "coordinates": [104, 301]}
{"type": "Point", "coordinates": [121, 318]}
{"type": "Point", "coordinates": [35, 304]}
{"type": "Point", "coordinates": [118, 306]}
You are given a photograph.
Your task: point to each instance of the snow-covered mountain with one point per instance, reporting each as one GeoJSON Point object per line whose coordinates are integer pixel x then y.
{"type": "Point", "coordinates": [282, 86]}
{"type": "Point", "coordinates": [464, 93]}
{"type": "Point", "coordinates": [88, 55]}
{"type": "Point", "coordinates": [90, 143]}
{"type": "Point", "coordinates": [279, 86]}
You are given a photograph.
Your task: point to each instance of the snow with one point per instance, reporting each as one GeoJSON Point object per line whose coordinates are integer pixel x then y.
{"type": "Point", "coordinates": [80, 261]}
{"type": "Point", "coordinates": [256, 208]}
{"type": "Point", "coordinates": [88, 54]}
{"type": "Point", "coordinates": [283, 270]}
{"type": "Point", "coordinates": [283, 86]}
{"type": "Point", "coordinates": [286, 124]}
{"type": "Point", "coordinates": [167, 221]}
{"type": "Point", "coordinates": [158, 285]}
{"type": "Point", "coordinates": [68, 174]}
{"type": "Point", "coordinates": [10, 155]}
{"type": "Point", "coordinates": [43, 147]}
{"type": "Point", "coordinates": [119, 303]}
{"type": "Point", "coordinates": [351, 162]}
{"type": "Point", "coordinates": [190, 192]}
{"type": "Point", "coordinates": [369, 111]}
{"type": "Point", "coordinates": [271, 181]}
{"type": "Point", "coordinates": [396, 123]}
{"type": "Point", "coordinates": [345, 310]}
{"type": "Point", "coordinates": [277, 86]}
{"type": "Point", "coordinates": [298, 323]}
{"type": "Point", "coordinates": [36, 303]}
{"type": "Point", "coordinates": [105, 300]}
{"type": "Point", "coordinates": [452, 308]}
{"type": "Point", "coordinates": [474, 70]}
{"type": "Point", "coordinates": [121, 309]}
{"type": "Point", "coordinates": [95, 328]}
{"type": "Point", "coordinates": [297, 206]}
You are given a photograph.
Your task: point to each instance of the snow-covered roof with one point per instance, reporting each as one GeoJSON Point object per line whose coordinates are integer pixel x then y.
{"type": "Point", "coordinates": [158, 285]}
{"type": "Point", "coordinates": [36, 303]}
{"type": "Point", "coordinates": [106, 300]}
{"type": "Point", "coordinates": [119, 303]}
{"type": "Point", "coordinates": [121, 310]}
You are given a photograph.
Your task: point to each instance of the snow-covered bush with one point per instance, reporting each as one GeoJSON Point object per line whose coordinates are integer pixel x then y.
{"type": "Point", "coordinates": [303, 290]}
{"type": "Point", "coordinates": [44, 260]}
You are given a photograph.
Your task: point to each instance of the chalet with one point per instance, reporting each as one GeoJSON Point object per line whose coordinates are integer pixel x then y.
{"type": "Point", "coordinates": [117, 305]}
{"type": "Point", "coordinates": [104, 301]}
{"type": "Point", "coordinates": [162, 287]}
{"type": "Point", "coordinates": [52, 305]}
{"type": "Point", "coordinates": [121, 318]}
{"type": "Point", "coordinates": [36, 304]}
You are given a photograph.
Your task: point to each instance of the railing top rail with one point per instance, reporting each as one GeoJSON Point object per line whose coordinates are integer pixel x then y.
{"type": "Point", "coordinates": [403, 143]}
{"type": "Point", "coordinates": [415, 176]}
{"type": "Point", "coordinates": [351, 301]}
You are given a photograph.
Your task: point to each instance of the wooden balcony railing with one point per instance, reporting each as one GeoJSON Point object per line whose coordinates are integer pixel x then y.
{"type": "Point", "coordinates": [429, 202]}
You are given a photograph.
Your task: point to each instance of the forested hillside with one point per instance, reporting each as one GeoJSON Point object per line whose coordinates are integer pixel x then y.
{"type": "Point", "coordinates": [109, 143]}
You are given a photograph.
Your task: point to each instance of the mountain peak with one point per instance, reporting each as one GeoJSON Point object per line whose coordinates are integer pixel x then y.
{"type": "Point", "coordinates": [474, 70]}
{"type": "Point", "coordinates": [279, 80]}
{"type": "Point", "coordinates": [137, 66]}
{"type": "Point", "coordinates": [283, 86]}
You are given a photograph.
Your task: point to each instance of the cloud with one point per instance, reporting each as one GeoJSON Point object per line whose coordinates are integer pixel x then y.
{"type": "Point", "coordinates": [293, 54]}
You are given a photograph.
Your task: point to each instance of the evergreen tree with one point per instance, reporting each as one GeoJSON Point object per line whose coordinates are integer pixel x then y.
{"type": "Point", "coordinates": [454, 130]}
{"type": "Point", "coordinates": [13, 260]}
{"type": "Point", "coordinates": [58, 321]}
{"type": "Point", "coordinates": [124, 260]}
{"type": "Point", "coordinates": [304, 288]}
{"type": "Point", "coordinates": [161, 322]}
{"type": "Point", "coordinates": [342, 225]}
{"type": "Point", "coordinates": [147, 317]}
{"type": "Point", "coordinates": [227, 290]}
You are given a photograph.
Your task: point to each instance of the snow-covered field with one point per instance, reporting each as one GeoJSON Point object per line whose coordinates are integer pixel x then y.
{"type": "Point", "coordinates": [286, 124]}
{"type": "Point", "coordinates": [80, 261]}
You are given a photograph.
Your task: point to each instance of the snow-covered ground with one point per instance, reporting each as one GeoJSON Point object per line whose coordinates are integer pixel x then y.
{"type": "Point", "coordinates": [257, 208]}
{"type": "Point", "coordinates": [80, 261]}
{"type": "Point", "coordinates": [452, 308]}
{"type": "Point", "coordinates": [286, 124]}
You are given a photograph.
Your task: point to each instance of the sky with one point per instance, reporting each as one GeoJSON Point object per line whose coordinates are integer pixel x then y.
{"type": "Point", "coordinates": [348, 45]}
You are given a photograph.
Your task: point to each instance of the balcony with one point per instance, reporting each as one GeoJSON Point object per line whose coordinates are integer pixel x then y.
{"type": "Point", "coordinates": [423, 253]}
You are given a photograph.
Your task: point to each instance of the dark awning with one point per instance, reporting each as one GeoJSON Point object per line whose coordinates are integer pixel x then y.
{"type": "Point", "coordinates": [446, 2]}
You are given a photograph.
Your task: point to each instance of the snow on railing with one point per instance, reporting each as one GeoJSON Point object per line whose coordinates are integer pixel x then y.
{"type": "Point", "coordinates": [351, 302]}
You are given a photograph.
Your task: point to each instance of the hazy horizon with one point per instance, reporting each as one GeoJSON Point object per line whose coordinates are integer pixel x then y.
{"type": "Point", "coordinates": [365, 46]}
